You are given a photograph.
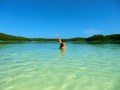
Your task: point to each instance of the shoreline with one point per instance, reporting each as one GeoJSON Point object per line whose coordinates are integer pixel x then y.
{"type": "Point", "coordinates": [75, 42]}
{"type": "Point", "coordinates": [95, 39]}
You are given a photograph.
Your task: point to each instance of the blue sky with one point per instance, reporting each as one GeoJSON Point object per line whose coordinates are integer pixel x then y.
{"type": "Point", "coordinates": [68, 18]}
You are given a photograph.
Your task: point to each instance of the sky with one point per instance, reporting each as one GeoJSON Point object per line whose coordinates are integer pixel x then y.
{"type": "Point", "coordinates": [68, 18]}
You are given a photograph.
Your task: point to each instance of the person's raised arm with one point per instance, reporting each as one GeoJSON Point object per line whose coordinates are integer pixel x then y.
{"type": "Point", "coordinates": [59, 38]}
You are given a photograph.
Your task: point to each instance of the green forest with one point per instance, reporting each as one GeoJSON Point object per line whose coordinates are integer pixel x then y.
{"type": "Point", "coordinates": [113, 38]}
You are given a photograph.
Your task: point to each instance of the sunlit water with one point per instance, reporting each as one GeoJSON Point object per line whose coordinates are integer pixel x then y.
{"type": "Point", "coordinates": [43, 66]}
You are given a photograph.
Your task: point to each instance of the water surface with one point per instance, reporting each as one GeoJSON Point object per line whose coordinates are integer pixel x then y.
{"type": "Point", "coordinates": [42, 66]}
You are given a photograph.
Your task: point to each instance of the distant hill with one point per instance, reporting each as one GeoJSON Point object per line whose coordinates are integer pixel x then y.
{"type": "Point", "coordinates": [113, 38]}
{"type": "Point", "coordinates": [6, 37]}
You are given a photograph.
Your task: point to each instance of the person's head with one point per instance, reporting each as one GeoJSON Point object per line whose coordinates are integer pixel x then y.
{"type": "Point", "coordinates": [63, 42]}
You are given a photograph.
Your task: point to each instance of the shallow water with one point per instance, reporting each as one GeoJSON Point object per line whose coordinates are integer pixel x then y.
{"type": "Point", "coordinates": [42, 66]}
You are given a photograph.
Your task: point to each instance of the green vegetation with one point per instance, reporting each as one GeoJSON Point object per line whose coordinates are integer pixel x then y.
{"type": "Point", "coordinates": [6, 37]}
{"type": "Point", "coordinates": [9, 38]}
{"type": "Point", "coordinates": [75, 39]}
{"type": "Point", "coordinates": [114, 38]}
{"type": "Point", "coordinates": [43, 39]}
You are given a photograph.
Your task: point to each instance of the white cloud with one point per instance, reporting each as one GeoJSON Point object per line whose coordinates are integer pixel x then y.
{"type": "Point", "coordinates": [89, 32]}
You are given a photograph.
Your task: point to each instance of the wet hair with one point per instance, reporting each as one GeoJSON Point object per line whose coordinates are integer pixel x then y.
{"type": "Point", "coordinates": [61, 44]}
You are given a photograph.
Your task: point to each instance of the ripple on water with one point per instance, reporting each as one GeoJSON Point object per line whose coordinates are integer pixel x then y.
{"type": "Point", "coordinates": [84, 67]}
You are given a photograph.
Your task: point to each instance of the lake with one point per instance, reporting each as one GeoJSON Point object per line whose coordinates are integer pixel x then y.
{"type": "Point", "coordinates": [43, 66]}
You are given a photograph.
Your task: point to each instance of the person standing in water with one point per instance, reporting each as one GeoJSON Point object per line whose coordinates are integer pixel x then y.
{"type": "Point", "coordinates": [62, 43]}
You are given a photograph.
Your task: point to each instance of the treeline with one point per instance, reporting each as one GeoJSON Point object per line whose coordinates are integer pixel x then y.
{"type": "Point", "coordinates": [42, 39]}
{"type": "Point", "coordinates": [104, 38]}
{"type": "Point", "coordinates": [113, 38]}
{"type": "Point", "coordinates": [50, 39]}
{"type": "Point", "coordinates": [6, 37]}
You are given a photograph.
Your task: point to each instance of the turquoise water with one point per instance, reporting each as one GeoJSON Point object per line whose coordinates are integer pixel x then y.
{"type": "Point", "coordinates": [42, 66]}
